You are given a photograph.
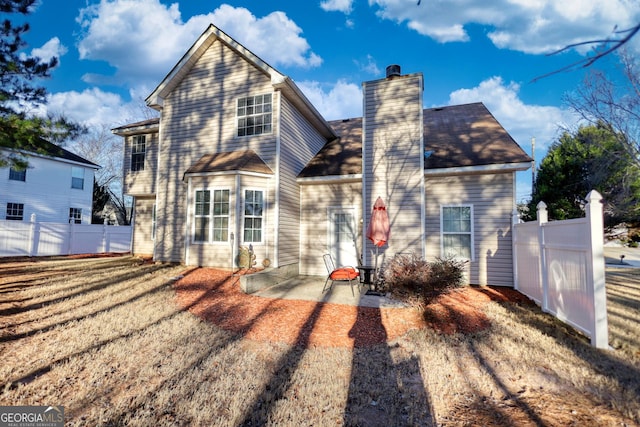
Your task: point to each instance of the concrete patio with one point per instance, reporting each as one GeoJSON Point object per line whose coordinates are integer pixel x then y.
{"type": "Point", "coordinates": [309, 288]}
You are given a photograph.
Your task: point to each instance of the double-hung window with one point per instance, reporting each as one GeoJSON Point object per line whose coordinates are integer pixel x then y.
{"type": "Point", "coordinates": [77, 178]}
{"type": "Point", "coordinates": [75, 216]}
{"type": "Point", "coordinates": [15, 211]}
{"type": "Point", "coordinates": [211, 216]}
{"type": "Point", "coordinates": [254, 115]}
{"type": "Point", "coordinates": [253, 208]}
{"type": "Point", "coordinates": [138, 152]}
{"type": "Point", "coordinates": [17, 175]}
{"type": "Point", "coordinates": [457, 231]}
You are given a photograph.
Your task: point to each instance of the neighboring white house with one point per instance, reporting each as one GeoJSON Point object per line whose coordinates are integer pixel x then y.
{"type": "Point", "coordinates": [240, 157]}
{"type": "Point", "coordinates": [57, 187]}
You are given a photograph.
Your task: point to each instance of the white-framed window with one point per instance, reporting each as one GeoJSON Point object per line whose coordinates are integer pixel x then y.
{"type": "Point", "coordinates": [138, 152]}
{"type": "Point", "coordinates": [253, 210]}
{"type": "Point", "coordinates": [254, 114]}
{"type": "Point", "coordinates": [15, 211]}
{"type": "Point", "coordinates": [17, 175]}
{"type": "Point", "coordinates": [77, 178]}
{"type": "Point", "coordinates": [211, 216]}
{"type": "Point", "coordinates": [456, 231]}
{"type": "Point", "coordinates": [75, 216]}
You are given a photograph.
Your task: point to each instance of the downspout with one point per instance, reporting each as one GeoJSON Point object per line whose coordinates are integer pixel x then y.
{"type": "Point", "coordinates": [366, 209]}
{"type": "Point", "coordinates": [238, 223]}
{"type": "Point", "coordinates": [276, 192]}
{"type": "Point", "coordinates": [423, 198]}
{"type": "Point", "coordinates": [187, 224]}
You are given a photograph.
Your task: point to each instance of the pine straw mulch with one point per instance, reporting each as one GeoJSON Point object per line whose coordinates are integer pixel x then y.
{"type": "Point", "coordinates": [215, 296]}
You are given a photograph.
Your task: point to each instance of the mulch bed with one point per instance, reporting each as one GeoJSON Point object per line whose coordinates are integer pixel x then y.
{"type": "Point", "coordinates": [215, 296]}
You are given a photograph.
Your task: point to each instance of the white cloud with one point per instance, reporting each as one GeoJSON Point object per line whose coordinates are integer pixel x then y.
{"type": "Point", "coordinates": [369, 66]}
{"type": "Point", "coordinates": [521, 120]}
{"type": "Point", "coordinates": [531, 26]}
{"type": "Point", "coordinates": [143, 39]}
{"type": "Point", "coordinates": [344, 6]}
{"type": "Point", "coordinates": [340, 101]}
{"type": "Point", "coordinates": [52, 48]}
{"type": "Point", "coordinates": [91, 107]}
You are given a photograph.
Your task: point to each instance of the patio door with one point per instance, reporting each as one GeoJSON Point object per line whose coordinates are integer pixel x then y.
{"type": "Point", "coordinates": [342, 236]}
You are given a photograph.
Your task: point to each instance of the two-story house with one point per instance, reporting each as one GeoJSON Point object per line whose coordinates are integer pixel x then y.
{"type": "Point", "coordinates": [240, 157]}
{"type": "Point", "coordinates": [57, 187]}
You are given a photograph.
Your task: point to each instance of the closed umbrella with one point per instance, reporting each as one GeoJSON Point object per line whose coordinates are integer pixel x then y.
{"type": "Point", "coordinates": [378, 230]}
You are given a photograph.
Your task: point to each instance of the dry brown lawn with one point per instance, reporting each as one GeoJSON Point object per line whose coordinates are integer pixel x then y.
{"type": "Point", "coordinates": [107, 339]}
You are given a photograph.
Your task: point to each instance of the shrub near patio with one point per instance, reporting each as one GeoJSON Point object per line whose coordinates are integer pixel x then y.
{"type": "Point", "coordinates": [413, 279]}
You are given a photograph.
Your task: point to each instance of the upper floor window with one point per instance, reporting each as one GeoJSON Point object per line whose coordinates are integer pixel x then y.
{"type": "Point", "coordinates": [138, 151]}
{"type": "Point", "coordinates": [254, 115]}
{"type": "Point", "coordinates": [15, 211]}
{"type": "Point", "coordinates": [75, 216]}
{"type": "Point", "coordinates": [77, 178]}
{"type": "Point", "coordinates": [17, 175]}
{"type": "Point", "coordinates": [211, 222]}
{"type": "Point", "coordinates": [457, 231]}
{"type": "Point", "coordinates": [253, 206]}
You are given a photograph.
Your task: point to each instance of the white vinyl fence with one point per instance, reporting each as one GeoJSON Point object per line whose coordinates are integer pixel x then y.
{"type": "Point", "coordinates": [560, 265]}
{"type": "Point", "coordinates": [18, 238]}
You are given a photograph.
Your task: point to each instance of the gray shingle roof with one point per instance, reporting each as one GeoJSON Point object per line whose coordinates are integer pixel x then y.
{"type": "Point", "coordinates": [454, 136]}
{"type": "Point", "coordinates": [241, 160]}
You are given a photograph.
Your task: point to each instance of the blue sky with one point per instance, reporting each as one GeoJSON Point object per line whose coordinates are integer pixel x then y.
{"type": "Point", "coordinates": [114, 52]}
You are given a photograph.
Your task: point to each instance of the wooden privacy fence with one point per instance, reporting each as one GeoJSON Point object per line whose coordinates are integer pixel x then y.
{"type": "Point", "coordinates": [560, 265]}
{"type": "Point", "coordinates": [18, 238]}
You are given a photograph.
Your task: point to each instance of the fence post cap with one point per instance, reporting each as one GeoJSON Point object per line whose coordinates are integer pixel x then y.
{"type": "Point", "coordinates": [593, 196]}
{"type": "Point", "coordinates": [541, 205]}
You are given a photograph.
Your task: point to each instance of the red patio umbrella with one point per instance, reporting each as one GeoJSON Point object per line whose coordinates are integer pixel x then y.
{"type": "Point", "coordinates": [378, 230]}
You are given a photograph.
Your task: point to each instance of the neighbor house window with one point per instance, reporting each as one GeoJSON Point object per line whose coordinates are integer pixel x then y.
{"type": "Point", "coordinates": [253, 206]}
{"type": "Point", "coordinates": [16, 175]}
{"type": "Point", "coordinates": [75, 216]}
{"type": "Point", "coordinates": [254, 115]}
{"type": "Point", "coordinates": [15, 211]}
{"type": "Point", "coordinates": [457, 231]}
{"type": "Point", "coordinates": [138, 151]}
{"type": "Point", "coordinates": [77, 178]}
{"type": "Point", "coordinates": [211, 219]}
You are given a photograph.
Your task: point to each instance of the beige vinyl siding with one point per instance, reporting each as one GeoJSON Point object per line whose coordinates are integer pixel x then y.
{"type": "Point", "coordinates": [198, 118]}
{"type": "Point", "coordinates": [492, 198]}
{"type": "Point", "coordinates": [141, 182]}
{"type": "Point", "coordinates": [393, 153]}
{"type": "Point", "coordinates": [143, 210]}
{"type": "Point", "coordinates": [298, 144]}
{"type": "Point", "coordinates": [316, 201]}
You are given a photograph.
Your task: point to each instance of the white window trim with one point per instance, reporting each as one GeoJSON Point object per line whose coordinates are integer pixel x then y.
{"type": "Point", "coordinates": [238, 117]}
{"type": "Point", "coordinates": [192, 218]}
{"type": "Point", "coordinates": [472, 232]}
{"type": "Point", "coordinates": [77, 168]}
{"type": "Point", "coordinates": [264, 216]}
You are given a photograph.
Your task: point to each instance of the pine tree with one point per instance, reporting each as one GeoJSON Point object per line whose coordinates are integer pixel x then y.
{"type": "Point", "coordinates": [19, 92]}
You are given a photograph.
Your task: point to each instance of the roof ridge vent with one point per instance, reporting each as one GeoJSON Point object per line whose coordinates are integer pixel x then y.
{"type": "Point", "coordinates": [393, 70]}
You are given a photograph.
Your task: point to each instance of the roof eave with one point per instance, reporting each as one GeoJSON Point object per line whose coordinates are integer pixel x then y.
{"type": "Point", "coordinates": [289, 89]}
{"type": "Point", "coordinates": [492, 168]}
{"type": "Point", "coordinates": [330, 179]}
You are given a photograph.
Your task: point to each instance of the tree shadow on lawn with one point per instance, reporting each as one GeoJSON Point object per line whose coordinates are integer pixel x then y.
{"type": "Point", "coordinates": [607, 363]}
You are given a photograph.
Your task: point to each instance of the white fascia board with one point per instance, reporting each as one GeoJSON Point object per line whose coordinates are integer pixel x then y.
{"type": "Point", "coordinates": [502, 167]}
{"type": "Point", "coordinates": [333, 179]}
{"type": "Point", "coordinates": [227, 173]}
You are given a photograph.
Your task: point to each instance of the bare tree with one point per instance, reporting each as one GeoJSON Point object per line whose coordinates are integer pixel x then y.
{"type": "Point", "coordinates": [600, 100]}
{"type": "Point", "coordinates": [601, 48]}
